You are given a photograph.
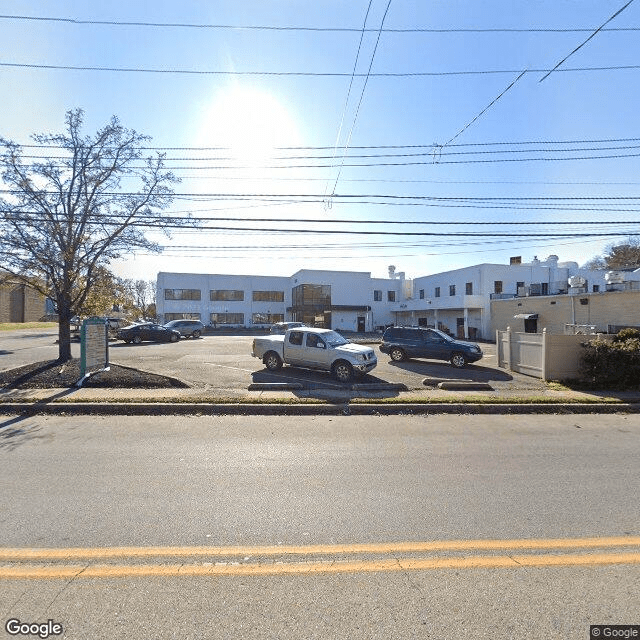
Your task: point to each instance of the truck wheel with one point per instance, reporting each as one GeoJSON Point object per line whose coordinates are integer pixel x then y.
{"type": "Point", "coordinates": [272, 361]}
{"type": "Point", "coordinates": [458, 360]}
{"type": "Point", "coordinates": [397, 354]}
{"type": "Point", "coordinates": [343, 371]}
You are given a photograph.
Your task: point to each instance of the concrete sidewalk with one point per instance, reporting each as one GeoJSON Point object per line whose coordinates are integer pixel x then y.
{"type": "Point", "coordinates": [337, 400]}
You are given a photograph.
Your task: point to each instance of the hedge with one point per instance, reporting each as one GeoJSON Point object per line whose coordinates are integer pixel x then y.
{"type": "Point", "coordinates": [615, 364]}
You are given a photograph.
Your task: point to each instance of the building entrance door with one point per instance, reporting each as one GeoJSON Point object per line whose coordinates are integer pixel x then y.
{"type": "Point", "coordinates": [361, 324]}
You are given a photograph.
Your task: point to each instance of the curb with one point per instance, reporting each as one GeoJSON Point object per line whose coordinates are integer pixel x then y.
{"type": "Point", "coordinates": [303, 409]}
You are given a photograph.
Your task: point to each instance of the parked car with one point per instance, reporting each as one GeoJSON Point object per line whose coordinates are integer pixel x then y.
{"type": "Point", "coordinates": [315, 349]}
{"type": "Point", "coordinates": [280, 328]}
{"type": "Point", "coordinates": [147, 332]}
{"type": "Point", "coordinates": [187, 328]}
{"type": "Point", "coordinates": [415, 342]}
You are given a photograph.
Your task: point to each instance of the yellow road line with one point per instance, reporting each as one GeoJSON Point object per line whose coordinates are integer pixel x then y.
{"type": "Point", "coordinates": [328, 549]}
{"type": "Point", "coordinates": [304, 568]}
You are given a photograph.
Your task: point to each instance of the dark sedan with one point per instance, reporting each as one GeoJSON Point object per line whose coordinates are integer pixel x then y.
{"type": "Point", "coordinates": [147, 332]}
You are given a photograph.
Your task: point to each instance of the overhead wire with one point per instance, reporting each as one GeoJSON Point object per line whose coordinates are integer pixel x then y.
{"type": "Point", "coordinates": [246, 27]}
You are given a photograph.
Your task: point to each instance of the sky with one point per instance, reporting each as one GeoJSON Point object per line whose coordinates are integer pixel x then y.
{"type": "Point", "coordinates": [321, 135]}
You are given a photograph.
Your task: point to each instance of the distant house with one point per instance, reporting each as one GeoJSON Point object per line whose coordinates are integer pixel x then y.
{"type": "Point", "coordinates": [20, 303]}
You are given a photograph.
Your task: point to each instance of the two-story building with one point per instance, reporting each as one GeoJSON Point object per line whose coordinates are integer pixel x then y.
{"type": "Point", "coordinates": [348, 300]}
{"type": "Point", "coordinates": [459, 301]}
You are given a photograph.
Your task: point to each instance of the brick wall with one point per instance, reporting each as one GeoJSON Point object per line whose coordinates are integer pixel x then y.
{"type": "Point", "coordinates": [19, 303]}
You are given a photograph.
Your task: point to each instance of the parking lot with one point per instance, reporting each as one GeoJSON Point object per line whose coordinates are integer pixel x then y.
{"type": "Point", "coordinates": [224, 364]}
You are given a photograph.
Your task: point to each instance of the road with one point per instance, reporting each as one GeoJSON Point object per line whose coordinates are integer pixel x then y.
{"type": "Point", "coordinates": [321, 527]}
{"type": "Point", "coordinates": [223, 364]}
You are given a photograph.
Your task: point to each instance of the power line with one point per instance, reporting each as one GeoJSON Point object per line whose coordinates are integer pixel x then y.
{"type": "Point", "coordinates": [386, 146]}
{"type": "Point", "coordinates": [617, 13]}
{"type": "Point", "coordinates": [188, 25]}
{"type": "Point", "coordinates": [310, 74]}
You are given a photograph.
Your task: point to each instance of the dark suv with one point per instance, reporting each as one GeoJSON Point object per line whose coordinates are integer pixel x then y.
{"type": "Point", "coordinates": [414, 342]}
{"type": "Point", "coordinates": [187, 328]}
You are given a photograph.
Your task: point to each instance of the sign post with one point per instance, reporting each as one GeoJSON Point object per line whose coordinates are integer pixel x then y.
{"type": "Point", "coordinates": [94, 348]}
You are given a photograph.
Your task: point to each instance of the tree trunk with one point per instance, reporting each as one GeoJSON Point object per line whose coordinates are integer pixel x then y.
{"type": "Point", "coordinates": [64, 331]}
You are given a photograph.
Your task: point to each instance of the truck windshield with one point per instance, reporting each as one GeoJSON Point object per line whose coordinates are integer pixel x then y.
{"type": "Point", "coordinates": [334, 339]}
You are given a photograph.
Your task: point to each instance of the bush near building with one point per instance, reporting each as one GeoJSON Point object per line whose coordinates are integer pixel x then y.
{"type": "Point", "coordinates": [613, 364]}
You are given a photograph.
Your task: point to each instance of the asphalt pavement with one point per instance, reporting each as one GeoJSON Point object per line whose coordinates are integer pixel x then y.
{"type": "Point", "coordinates": [222, 375]}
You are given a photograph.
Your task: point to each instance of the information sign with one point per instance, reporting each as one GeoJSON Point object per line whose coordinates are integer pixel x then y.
{"type": "Point", "coordinates": [94, 347]}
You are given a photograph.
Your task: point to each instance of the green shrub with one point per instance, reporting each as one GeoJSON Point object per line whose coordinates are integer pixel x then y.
{"type": "Point", "coordinates": [615, 364]}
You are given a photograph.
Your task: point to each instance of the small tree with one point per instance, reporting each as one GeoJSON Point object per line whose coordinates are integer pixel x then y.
{"type": "Point", "coordinates": [107, 291]}
{"type": "Point", "coordinates": [66, 217]}
{"type": "Point", "coordinates": [143, 294]}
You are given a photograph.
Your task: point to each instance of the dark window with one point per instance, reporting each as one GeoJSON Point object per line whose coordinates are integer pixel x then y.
{"type": "Point", "coordinates": [314, 341]}
{"type": "Point", "coordinates": [295, 337]}
{"type": "Point", "coordinates": [268, 296]}
{"type": "Point", "coordinates": [267, 318]}
{"type": "Point", "coordinates": [226, 295]}
{"type": "Point", "coordinates": [317, 296]}
{"type": "Point", "coordinates": [497, 286]}
{"type": "Point", "coordinates": [377, 295]}
{"type": "Point", "coordinates": [452, 289]}
{"type": "Point", "coordinates": [391, 296]}
{"type": "Point", "coordinates": [596, 288]}
{"type": "Point", "coordinates": [421, 294]}
{"type": "Point", "coordinates": [437, 295]}
{"type": "Point", "coordinates": [469, 288]}
{"type": "Point", "coordinates": [227, 318]}
{"type": "Point", "coordinates": [182, 294]}
{"type": "Point", "coordinates": [181, 316]}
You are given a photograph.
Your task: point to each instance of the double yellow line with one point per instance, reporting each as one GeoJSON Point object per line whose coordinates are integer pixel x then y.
{"type": "Point", "coordinates": [302, 560]}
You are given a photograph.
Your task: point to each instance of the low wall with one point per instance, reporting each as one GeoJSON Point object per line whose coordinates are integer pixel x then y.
{"type": "Point", "coordinates": [541, 355]}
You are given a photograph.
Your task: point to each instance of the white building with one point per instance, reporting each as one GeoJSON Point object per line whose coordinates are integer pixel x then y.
{"type": "Point", "coordinates": [458, 302]}
{"type": "Point", "coordinates": [348, 300]}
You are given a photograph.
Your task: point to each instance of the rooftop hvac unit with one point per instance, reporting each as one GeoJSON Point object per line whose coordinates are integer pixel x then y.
{"type": "Point", "coordinates": [577, 282]}
{"type": "Point", "coordinates": [614, 277]}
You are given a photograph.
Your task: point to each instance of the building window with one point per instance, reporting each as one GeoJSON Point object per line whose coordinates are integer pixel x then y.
{"type": "Point", "coordinates": [181, 316]}
{"type": "Point", "coordinates": [268, 296]}
{"type": "Point", "coordinates": [437, 294]}
{"type": "Point", "coordinates": [596, 288]}
{"type": "Point", "coordinates": [267, 318]}
{"type": "Point", "coordinates": [377, 295]}
{"type": "Point", "coordinates": [391, 296]}
{"type": "Point", "coordinates": [182, 294]}
{"type": "Point", "coordinates": [452, 289]}
{"type": "Point", "coordinates": [469, 288]}
{"type": "Point", "coordinates": [421, 294]}
{"type": "Point", "coordinates": [227, 318]}
{"type": "Point", "coordinates": [312, 295]}
{"type": "Point", "coordinates": [226, 295]}
{"type": "Point", "coordinates": [497, 286]}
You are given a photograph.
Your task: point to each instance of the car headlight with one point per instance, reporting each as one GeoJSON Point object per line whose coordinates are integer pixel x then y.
{"type": "Point", "coordinates": [360, 357]}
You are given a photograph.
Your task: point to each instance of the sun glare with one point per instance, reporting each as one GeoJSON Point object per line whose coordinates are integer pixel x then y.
{"type": "Point", "coordinates": [251, 124]}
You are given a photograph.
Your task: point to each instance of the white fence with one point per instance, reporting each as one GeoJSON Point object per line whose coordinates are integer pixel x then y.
{"type": "Point", "coordinates": [541, 355]}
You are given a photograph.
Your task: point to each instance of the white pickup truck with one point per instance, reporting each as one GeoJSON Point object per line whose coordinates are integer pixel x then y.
{"type": "Point", "coordinates": [315, 349]}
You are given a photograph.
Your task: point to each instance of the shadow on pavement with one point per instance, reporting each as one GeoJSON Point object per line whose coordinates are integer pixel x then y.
{"type": "Point", "coordinates": [321, 385]}
{"type": "Point", "coordinates": [444, 370]}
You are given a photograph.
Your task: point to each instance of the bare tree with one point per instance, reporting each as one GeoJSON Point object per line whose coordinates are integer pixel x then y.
{"type": "Point", "coordinates": [65, 217]}
{"type": "Point", "coordinates": [143, 294]}
{"type": "Point", "coordinates": [618, 256]}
